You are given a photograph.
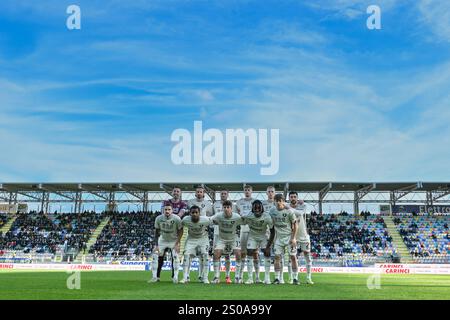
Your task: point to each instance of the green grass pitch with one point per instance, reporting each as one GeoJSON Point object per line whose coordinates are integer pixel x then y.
{"type": "Point", "coordinates": [120, 285]}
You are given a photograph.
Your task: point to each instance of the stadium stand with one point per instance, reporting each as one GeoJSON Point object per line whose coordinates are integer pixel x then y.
{"type": "Point", "coordinates": [42, 233]}
{"type": "Point", "coordinates": [3, 219]}
{"type": "Point", "coordinates": [128, 235]}
{"type": "Point", "coordinates": [426, 237]}
{"type": "Point", "coordinates": [337, 237]}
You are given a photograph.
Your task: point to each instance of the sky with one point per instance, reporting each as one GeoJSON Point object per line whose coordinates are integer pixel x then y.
{"type": "Point", "coordinates": [100, 104]}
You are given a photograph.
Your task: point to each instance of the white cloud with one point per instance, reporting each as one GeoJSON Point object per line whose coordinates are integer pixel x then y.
{"type": "Point", "coordinates": [435, 15]}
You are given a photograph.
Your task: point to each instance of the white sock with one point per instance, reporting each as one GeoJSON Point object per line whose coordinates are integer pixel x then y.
{"type": "Point", "coordinates": [200, 267]}
{"type": "Point", "coordinates": [256, 264]}
{"type": "Point", "coordinates": [250, 267]}
{"type": "Point", "coordinates": [187, 266]}
{"type": "Point", "coordinates": [267, 268]}
{"type": "Point", "coordinates": [281, 266]}
{"type": "Point", "coordinates": [308, 265]}
{"type": "Point", "coordinates": [278, 275]}
{"type": "Point", "coordinates": [216, 269]}
{"type": "Point", "coordinates": [289, 263]}
{"type": "Point", "coordinates": [237, 273]}
{"type": "Point", "coordinates": [176, 267]}
{"type": "Point", "coordinates": [227, 267]}
{"type": "Point", "coordinates": [155, 266]}
{"type": "Point", "coordinates": [241, 273]}
{"type": "Point", "coordinates": [205, 267]}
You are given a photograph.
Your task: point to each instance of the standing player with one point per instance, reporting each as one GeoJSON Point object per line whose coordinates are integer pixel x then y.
{"type": "Point", "coordinates": [285, 229]}
{"type": "Point", "coordinates": [197, 242]}
{"type": "Point", "coordinates": [200, 201]}
{"type": "Point", "coordinates": [228, 221]}
{"type": "Point", "coordinates": [168, 231]}
{"type": "Point", "coordinates": [244, 207]}
{"type": "Point", "coordinates": [303, 240]}
{"type": "Point", "coordinates": [206, 209]}
{"type": "Point", "coordinates": [218, 209]}
{"type": "Point", "coordinates": [258, 222]}
{"type": "Point", "coordinates": [179, 206]}
{"type": "Point", "coordinates": [268, 204]}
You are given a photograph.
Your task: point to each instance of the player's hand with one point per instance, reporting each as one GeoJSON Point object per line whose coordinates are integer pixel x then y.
{"type": "Point", "coordinates": [156, 250]}
{"type": "Point", "coordinates": [293, 242]}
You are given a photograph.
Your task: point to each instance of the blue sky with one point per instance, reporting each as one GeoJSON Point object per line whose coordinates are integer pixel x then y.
{"type": "Point", "coordinates": [100, 103]}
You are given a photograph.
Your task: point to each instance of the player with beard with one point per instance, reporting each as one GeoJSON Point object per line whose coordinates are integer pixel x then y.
{"type": "Point", "coordinates": [168, 231]}
{"type": "Point", "coordinates": [179, 206]}
{"type": "Point", "coordinates": [303, 239]}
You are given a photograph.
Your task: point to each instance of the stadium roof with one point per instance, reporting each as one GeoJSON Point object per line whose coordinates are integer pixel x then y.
{"type": "Point", "coordinates": [257, 186]}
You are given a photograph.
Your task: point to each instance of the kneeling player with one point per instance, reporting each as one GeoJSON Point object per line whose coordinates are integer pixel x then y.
{"type": "Point", "coordinates": [228, 238]}
{"type": "Point", "coordinates": [285, 229]}
{"type": "Point", "coordinates": [168, 231]}
{"type": "Point", "coordinates": [258, 222]}
{"type": "Point", "coordinates": [197, 242]}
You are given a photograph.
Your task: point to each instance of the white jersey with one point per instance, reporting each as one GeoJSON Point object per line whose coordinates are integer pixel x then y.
{"type": "Point", "coordinates": [218, 209]}
{"type": "Point", "coordinates": [205, 206]}
{"type": "Point", "coordinates": [302, 231]}
{"type": "Point", "coordinates": [244, 207]}
{"type": "Point", "coordinates": [282, 221]}
{"type": "Point", "coordinates": [258, 225]}
{"type": "Point", "coordinates": [268, 205]}
{"type": "Point", "coordinates": [168, 227]}
{"type": "Point", "coordinates": [227, 226]}
{"type": "Point", "coordinates": [197, 230]}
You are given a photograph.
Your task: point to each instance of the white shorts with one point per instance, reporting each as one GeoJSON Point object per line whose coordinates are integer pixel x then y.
{"type": "Point", "coordinates": [304, 246]}
{"type": "Point", "coordinates": [163, 245]}
{"type": "Point", "coordinates": [244, 241]}
{"type": "Point", "coordinates": [281, 245]}
{"type": "Point", "coordinates": [253, 244]}
{"type": "Point", "coordinates": [227, 246]}
{"type": "Point", "coordinates": [197, 247]}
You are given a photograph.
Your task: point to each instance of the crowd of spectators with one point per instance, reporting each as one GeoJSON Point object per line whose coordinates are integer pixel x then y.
{"type": "Point", "coordinates": [127, 234]}
{"type": "Point", "coordinates": [425, 236]}
{"type": "Point", "coordinates": [337, 235]}
{"type": "Point", "coordinates": [45, 233]}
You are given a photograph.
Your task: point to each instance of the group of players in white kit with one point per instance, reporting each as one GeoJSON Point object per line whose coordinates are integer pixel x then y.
{"type": "Point", "coordinates": [263, 224]}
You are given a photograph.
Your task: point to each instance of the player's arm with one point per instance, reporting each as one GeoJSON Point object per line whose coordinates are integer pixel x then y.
{"type": "Point", "coordinates": [269, 242]}
{"type": "Point", "coordinates": [294, 228]}
{"type": "Point", "coordinates": [213, 219]}
{"type": "Point", "coordinates": [182, 211]}
{"type": "Point", "coordinates": [180, 233]}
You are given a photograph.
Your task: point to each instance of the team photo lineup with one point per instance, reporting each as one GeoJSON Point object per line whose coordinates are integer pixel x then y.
{"type": "Point", "coordinates": [190, 152]}
{"type": "Point", "coordinates": [272, 224]}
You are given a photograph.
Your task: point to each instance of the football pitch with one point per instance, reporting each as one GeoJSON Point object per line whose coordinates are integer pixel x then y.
{"type": "Point", "coordinates": [122, 285]}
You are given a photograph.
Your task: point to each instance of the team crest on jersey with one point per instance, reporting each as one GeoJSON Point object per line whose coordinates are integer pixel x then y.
{"type": "Point", "coordinates": [284, 215]}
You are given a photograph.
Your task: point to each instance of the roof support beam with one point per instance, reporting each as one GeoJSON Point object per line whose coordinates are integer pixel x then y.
{"type": "Point", "coordinates": [400, 193]}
